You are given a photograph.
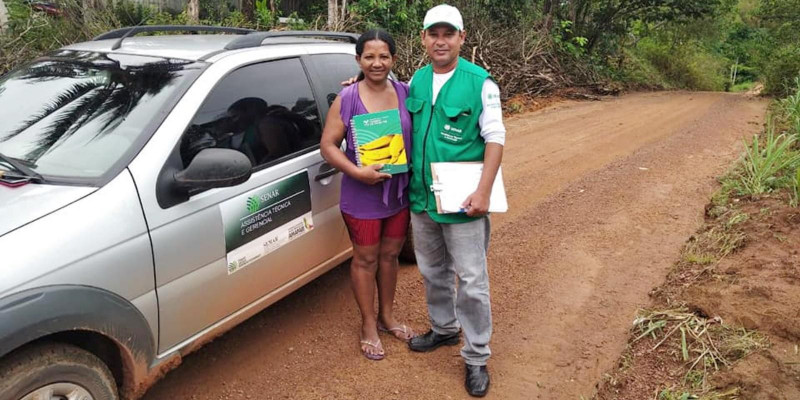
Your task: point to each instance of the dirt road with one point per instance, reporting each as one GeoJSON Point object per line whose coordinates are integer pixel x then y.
{"type": "Point", "coordinates": [602, 196]}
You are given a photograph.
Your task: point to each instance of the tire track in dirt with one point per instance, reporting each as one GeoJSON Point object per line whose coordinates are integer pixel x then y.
{"type": "Point", "coordinates": [602, 195]}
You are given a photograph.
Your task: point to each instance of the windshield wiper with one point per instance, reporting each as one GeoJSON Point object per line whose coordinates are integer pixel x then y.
{"type": "Point", "coordinates": [23, 170]}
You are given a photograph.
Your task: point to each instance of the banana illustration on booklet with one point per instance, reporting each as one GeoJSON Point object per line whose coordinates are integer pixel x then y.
{"type": "Point", "coordinates": [379, 140]}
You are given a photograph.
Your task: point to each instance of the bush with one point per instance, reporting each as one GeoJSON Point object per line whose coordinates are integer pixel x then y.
{"type": "Point", "coordinates": [237, 20]}
{"type": "Point", "coordinates": [396, 16]}
{"type": "Point", "coordinates": [687, 66]}
{"type": "Point", "coordinates": [215, 10]}
{"type": "Point", "coordinates": [781, 70]}
{"type": "Point", "coordinates": [130, 13]}
{"type": "Point", "coordinates": [633, 69]}
{"type": "Point", "coordinates": [166, 18]}
{"type": "Point", "coordinates": [32, 34]}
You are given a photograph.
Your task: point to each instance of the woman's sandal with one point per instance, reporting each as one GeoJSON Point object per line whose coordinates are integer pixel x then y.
{"type": "Point", "coordinates": [401, 332]}
{"type": "Point", "coordinates": [375, 345]}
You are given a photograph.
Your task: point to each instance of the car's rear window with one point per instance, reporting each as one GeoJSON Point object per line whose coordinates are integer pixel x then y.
{"type": "Point", "coordinates": [76, 114]}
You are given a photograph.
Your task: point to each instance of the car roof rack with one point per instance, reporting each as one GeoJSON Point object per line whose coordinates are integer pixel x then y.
{"type": "Point", "coordinates": [255, 39]}
{"type": "Point", "coordinates": [123, 33]}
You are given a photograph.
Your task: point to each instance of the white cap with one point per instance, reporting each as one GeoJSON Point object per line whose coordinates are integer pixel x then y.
{"type": "Point", "coordinates": [443, 14]}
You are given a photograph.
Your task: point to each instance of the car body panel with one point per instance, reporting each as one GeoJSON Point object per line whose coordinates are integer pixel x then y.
{"type": "Point", "coordinates": [110, 250]}
{"type": "Point", "coordinates": [25, 204]}
{"type": "Point", "coordinates": [200, 338]}
{"type": "Point", "coordinates": [30, 314]}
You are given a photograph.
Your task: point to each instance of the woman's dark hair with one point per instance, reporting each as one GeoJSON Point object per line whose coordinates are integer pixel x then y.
{"type": "Point", "coordinates": [374, 34]}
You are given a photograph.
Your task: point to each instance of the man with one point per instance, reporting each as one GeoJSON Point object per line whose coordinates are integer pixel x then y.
{"type": "Point", "coordinates": [456, 117]}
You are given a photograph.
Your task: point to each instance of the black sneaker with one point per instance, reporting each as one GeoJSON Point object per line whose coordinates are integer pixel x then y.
{"type": "Point", "coordinates": [431, 341]}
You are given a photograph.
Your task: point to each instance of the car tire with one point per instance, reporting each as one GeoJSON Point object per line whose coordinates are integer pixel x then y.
{"type": "Point", "coordinates": [407, 252]}
{"type": "Point", "coordinates": [58, 369]}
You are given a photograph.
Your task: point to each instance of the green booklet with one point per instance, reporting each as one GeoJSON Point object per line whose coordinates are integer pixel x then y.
{"type": "Point", "coordinates": [379, 140]}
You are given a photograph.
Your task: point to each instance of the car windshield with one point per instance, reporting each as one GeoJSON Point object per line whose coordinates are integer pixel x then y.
{"type": "Point", "coordinates": [76, 114]}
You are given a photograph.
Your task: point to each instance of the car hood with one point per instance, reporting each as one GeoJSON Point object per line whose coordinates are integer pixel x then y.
{"type": "Point", "coordinates": [27, 203]}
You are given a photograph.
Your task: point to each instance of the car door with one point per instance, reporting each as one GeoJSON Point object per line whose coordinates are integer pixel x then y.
{"type": "Point", "coordinates": [225, 248]}
{"type": "Point", "coordinates": [328, 70]}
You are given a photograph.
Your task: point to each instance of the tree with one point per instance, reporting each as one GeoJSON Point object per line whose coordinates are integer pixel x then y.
{"type": "Point", "coordinates": [193, 11]}
{"type": "Point", "coordinates": [332, 13]}
{"type": "Point", "coordinates": [782, 18]}
{"type": "Point", "coordinates": [597, 20]}
{"type": "Point", "coordinates": [3, 16]}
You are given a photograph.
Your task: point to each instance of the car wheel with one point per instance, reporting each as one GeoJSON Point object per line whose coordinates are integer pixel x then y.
{"type": "Point", "coordinates": [407, 252]}
{"type": "Point", "coordinates": [55, 371]}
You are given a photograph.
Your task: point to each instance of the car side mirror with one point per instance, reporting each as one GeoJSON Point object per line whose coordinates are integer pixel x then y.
{"type": "Point", "coordinates": [214, 168]}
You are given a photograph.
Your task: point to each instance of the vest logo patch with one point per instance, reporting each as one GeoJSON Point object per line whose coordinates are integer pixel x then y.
{"type": "Point", "coordinates": [447, 127]}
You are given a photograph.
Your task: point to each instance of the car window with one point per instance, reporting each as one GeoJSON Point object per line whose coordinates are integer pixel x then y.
{"type": "Point", "coordinates": [331, 70]}
{"type": "Point", "coordinates": [266, 111]}
{"type": "Point", "coordinates": [76, 114]}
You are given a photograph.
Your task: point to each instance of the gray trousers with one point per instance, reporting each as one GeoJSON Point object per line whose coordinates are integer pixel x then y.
{"type": "Point", "coordinates": [450, 253]}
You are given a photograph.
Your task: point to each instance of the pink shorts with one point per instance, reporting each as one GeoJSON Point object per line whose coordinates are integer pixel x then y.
{"type": "Point", "coordinates": [368, 232]}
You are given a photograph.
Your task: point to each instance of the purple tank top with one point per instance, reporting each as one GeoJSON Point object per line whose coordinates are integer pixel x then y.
{"type": "Point", "coordinates": [383, 199]}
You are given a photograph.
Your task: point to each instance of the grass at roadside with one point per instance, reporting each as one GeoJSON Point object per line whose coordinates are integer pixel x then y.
{"type": "Point", "coordinates": [770, 162]}
{"type": "Point", "coordinates": [742, 87]}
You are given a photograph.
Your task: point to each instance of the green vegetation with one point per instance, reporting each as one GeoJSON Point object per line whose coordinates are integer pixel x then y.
{"type": "Point", "coordinates": [742, 87]}
{"type": "Point", "coordinates": [764, 167]}
{"type": "Point", "coordinates": [790, 109]}
{"type": "Point", "coordinates": [530, 46]}
{"type": "Point", "coordinates": [771, 162]}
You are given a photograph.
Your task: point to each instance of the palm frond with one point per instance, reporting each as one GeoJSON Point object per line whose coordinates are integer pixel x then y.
{"type": "Point", "coordinates": [64, 99]}
{"type": "Point", "coordinates": [50, 71]}
{"type": "Point", "coordinates": [117, 106]}
{"type": "Point", "coordinates": [65, 124]}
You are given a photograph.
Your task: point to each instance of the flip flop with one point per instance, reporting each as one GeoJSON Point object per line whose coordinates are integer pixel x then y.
{"type": "Point", "coordinates": [374, 345]}
{"type": "Point", "coordinates": [402, 328]}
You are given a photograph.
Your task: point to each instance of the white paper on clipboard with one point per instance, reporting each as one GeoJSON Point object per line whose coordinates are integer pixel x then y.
{"type": "Point", "coordinates": [453, 182]}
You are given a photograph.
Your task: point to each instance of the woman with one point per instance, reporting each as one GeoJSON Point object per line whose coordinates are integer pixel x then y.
{"type": "Point", "coordinates": [374, 204]}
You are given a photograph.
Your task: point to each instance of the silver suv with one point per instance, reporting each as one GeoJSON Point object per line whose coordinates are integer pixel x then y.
{"type": "Point", "coordinates": [155, 192]}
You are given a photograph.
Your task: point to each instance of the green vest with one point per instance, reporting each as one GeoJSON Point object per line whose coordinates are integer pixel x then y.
{"type": "Point", "coordinates": [445, 132]}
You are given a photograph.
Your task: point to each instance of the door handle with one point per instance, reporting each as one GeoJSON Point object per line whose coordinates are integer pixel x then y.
{"type": "Point", "coordinates": [325, 171]}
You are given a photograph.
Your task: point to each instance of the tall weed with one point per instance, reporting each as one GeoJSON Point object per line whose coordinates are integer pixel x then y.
{"type": "Point", "coordinates": [764, 165]}
{"type": "Point", "coordinates": [794, 192]}
{"type": "Point", "coordinates": [790, 107]}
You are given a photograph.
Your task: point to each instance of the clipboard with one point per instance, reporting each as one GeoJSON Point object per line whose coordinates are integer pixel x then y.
{"type": "Point", "coordinates": [454, 181]}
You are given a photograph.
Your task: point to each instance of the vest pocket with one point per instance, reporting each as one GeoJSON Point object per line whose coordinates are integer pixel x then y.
{"type": "Point", "coordinates": [455, 123]}
{"type": "Point", "coordinates": [414, 105]}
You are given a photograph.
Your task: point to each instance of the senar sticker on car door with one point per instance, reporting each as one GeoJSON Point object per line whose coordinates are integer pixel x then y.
{"type": "Point", "coordinates": [260, 221]}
